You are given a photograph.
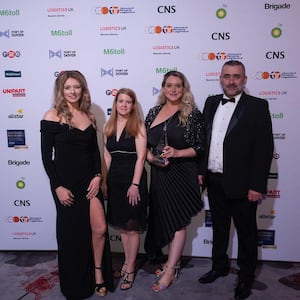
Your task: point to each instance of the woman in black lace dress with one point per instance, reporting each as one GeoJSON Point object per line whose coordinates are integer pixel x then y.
{"type": "Point", "coordinates": [175, 142]}
{"type": "Point", "coordinates": [72, 161]}
{"type": "Point", "coordinates": [124, 155]}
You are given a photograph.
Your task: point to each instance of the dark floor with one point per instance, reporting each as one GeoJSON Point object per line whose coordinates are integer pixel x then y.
{"type": "Point", "coordinates": [34, 275]}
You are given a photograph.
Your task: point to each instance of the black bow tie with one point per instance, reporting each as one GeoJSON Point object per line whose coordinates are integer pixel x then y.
{"type": "Point", "coordinates": [224, 101]}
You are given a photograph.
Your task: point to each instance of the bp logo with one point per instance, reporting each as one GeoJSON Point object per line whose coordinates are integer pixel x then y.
{"type": "Point", "coordinates": [20, 184]}
{"type": "Point", "coordinates": [276, 32]}
{"type": "Point", "coordinates": [221, 13]}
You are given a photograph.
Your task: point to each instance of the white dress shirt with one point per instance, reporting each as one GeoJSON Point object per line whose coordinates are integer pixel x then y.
{"type": "Point", "coordinates": [220, 124]}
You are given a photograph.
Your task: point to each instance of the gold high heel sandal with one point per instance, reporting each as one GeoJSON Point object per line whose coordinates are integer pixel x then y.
{"type": "Point", "coordinates": [100, 288]}
{"type": "Point", "coordinates": [159, 286]}
{"type": "Point", "coordinates": [159, 271]}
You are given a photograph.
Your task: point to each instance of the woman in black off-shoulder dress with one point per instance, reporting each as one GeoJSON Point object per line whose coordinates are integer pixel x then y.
{"type": "Point", "coordinates": [72, 161]}
{"type": "Point", "coordinates": [175, 142]}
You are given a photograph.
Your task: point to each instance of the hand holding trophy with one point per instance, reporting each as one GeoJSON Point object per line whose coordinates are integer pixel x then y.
{"type": "Point", "coordinates": [158, 152]}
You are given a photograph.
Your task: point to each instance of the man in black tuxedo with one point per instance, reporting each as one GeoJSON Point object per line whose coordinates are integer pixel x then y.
{"type": "Point", "coordinates": [235, 169]}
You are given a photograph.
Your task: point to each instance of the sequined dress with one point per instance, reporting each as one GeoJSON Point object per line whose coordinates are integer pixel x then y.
{"type": "Point", "coordinates": [174, 190]}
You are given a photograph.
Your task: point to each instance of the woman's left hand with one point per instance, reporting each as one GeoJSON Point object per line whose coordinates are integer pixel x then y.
{"type": "Point", "coordinates": [133, 195]}
{"type": "Point", "coordinates": [93, 188]}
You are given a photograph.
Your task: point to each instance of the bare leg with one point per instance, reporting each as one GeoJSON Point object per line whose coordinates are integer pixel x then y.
{"type": "Point", "coordinates": [131, 244]}
{"type": "Point", "coordinates": [175, 252]}
{"type": "Point", "coordinates": [98, 225]}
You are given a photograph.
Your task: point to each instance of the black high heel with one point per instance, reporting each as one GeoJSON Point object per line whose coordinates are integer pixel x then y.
{"type": "Point", "coordinates": [125, 283]}
{"type": "Point", "coordinates": [100, 288]}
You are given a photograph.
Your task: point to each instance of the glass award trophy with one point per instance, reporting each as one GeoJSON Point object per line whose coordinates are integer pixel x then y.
{"type": "Point", "coordinates": [157, 151]}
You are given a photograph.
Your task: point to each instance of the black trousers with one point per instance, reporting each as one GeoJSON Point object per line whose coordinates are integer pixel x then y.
{"type": "Point", "coordinates": [243, 213]}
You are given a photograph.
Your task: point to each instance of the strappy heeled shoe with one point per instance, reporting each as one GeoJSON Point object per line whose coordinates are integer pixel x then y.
{"type": "Point", "coordinates": [120, 272]}
{"type": "Point", "coordinates": [100, 288]}
{"type": "Point", "coordinates": [159, 271]}
{"type": "Point", "coordinates": [127, 284]}
{"type": "Point", "coordinates": [159, 286]}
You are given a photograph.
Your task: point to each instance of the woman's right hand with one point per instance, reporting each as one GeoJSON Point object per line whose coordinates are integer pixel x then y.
{"type": "Point", "coordinates": [65, 196]}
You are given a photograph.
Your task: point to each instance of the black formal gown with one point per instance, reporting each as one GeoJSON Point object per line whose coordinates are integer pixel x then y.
{"type": "Point", "coordinates": [174, 190]}
{"type": "Point", "coordinates": [75, 162]}
{"type": "Point", "coordinates": [120, 213]}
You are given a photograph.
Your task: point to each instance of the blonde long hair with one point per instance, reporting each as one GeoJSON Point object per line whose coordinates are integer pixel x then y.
{"type": "Point", "coordinates": [134, 121]}
{"type": "Point", "coordinates": [60, 103]}
{"type": "Point", "coordinates": [187, 103]}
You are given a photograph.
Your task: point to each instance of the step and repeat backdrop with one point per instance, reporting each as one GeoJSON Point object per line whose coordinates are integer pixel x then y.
{"type": "Point", "coordinates": [133, 44]}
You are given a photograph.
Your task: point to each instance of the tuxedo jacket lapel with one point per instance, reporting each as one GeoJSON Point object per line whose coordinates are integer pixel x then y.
{"type": "Point", "coordinates": [237, 114]}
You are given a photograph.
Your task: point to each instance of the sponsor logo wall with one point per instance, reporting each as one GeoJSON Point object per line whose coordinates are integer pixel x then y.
{"type": "Point", "coordinates": [133, 44]}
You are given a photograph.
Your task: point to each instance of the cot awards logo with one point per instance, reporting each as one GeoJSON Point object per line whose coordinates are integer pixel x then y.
{"type": "Point", "coordinates": [222, 56]}
{"type": "Point", "coordinates": [113, 10]}
{"type": "Point", "coordinates": [166, 29]}
{"type": "Point", "coordinates": [221, 13]}
{"type": "Point", "coordinates": [266, 238]}
{"type": "Point", "coordinates": [275, 75]}
{"type": "Point", "coordinates": [16, 139]}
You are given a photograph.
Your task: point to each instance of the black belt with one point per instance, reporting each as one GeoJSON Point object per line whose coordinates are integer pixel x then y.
{"type": "Point", "coordinates": [219, 174]}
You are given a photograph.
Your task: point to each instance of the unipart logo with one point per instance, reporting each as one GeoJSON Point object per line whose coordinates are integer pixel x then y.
{"type": "Point", "coordinates": [11, 54]}
{"type": "Point", "coordinates": [20, 92]}
{"type": "Point", "coordinates": [273, 193]}
{"type": "Point", "coordinates": [113, 10]}
{"type": "Point", "coordinates": [166, 29]}
{"type": "Point", "coordinates": [221, 56]}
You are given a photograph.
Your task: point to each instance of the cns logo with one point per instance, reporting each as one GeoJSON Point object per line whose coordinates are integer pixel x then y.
{"type": "Point", "coordinates": [11, 54]}
{"type": "Point", "coordinates": [275, 55]}
{"type": "Point", "coordinates": [216, 36]}
{"type": "Point", "coordinates": [166, 9]}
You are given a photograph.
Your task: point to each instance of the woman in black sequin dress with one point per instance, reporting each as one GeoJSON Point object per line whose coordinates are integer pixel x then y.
{"type": "Point", "coordinates": [175, 142]}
